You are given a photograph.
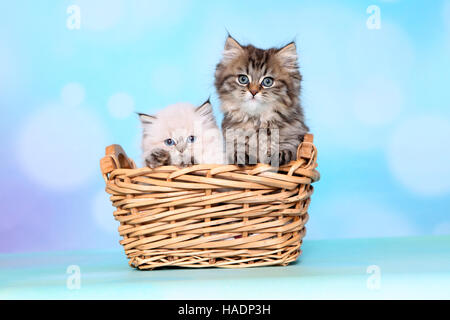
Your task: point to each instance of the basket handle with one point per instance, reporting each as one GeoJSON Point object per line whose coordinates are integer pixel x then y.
{"type": "Point", "coordinates": [115, 158]}
{"type": "Point", "coordinates": [305, 149]}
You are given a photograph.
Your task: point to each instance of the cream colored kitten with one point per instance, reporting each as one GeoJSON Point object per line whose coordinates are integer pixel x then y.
{"type": "Point", "coordinates": [181, 135]}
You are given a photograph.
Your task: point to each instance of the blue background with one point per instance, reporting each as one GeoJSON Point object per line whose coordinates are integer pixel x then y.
{"type": "Point", "coordinates": [377, 101]}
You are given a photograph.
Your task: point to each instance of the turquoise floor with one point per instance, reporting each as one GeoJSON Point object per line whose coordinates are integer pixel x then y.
{"type": "Point", "coordinates": [417, 268]}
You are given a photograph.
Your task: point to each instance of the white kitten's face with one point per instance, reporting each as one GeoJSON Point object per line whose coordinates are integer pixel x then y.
{"type": "Point", "coordinates": [181, 129]}
{"type": "Point", "coordinates": [180, 143]}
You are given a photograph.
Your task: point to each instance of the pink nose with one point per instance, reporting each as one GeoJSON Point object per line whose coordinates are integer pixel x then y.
{"type": "Point", "coordinates": [181, 147]}
{"type": "Point", "coordinates": [253, 91]}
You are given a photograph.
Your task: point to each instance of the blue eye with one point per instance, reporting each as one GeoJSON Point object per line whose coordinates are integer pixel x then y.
{"type": "Point", "coordinates": [267, 82]}
{"type": "Point", "coordinates": [169, 142]}
{"type": "Point", "coordinates": [191, 139]}
{"type": "Point", "coordinates": [243, 79]}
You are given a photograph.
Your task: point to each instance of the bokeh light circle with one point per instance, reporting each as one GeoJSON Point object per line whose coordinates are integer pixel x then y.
{"type": "Point", "coordinates": [358, 216]}
{"type": "Point", "coordinates": [59, 147]}
{"type": "Point", "coordinates": [419, 156]}
{"type": "Point", "coordinates": [73, 94]}
{"type": "Point", "coordinates": [378, 101]}
{"type": "Point", "coordinates": [120, 105]}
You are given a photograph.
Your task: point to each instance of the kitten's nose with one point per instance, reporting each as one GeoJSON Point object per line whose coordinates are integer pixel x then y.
{"type": "Point", "coordinates": [253, 89]}
{"type": "Point", "coordinates": [181, 147]}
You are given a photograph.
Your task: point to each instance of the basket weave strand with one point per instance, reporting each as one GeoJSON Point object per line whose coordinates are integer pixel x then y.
{"type": "Point", "coordinates": [211, 215]}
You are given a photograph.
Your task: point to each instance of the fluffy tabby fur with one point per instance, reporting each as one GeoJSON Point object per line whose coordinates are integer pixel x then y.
{"type": "Point", "coordinates": [271, 108]}
{"type": "Point", "coordinates": [179, 122]}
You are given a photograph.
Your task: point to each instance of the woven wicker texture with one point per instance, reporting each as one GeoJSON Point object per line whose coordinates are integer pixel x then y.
{"type": "Point", "coordinates": [211, 215]}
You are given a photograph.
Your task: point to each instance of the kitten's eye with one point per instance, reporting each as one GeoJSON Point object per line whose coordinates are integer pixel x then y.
{"type": "Point", "coordinates": [243, 79]}
{"type": "Point", "coordinates": [169, 142]}
{"type": "Point", "coordinates": [267, 82]}
{"type": "Point", "coordinates": [191, 139]}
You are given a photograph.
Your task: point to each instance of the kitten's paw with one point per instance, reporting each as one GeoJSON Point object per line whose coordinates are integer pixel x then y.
{"type": "Point", "coordinates": [158, 157]}
{"type": "Point", "coordinates": [285, 156]}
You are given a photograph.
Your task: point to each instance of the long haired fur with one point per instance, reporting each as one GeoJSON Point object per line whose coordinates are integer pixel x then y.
{"type": "Point", "coordinates": [179, 123]}
{"type": "Point", "coordinates": [252, 107]}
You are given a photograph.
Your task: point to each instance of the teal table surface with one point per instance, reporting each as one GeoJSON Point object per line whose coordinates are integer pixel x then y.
{"type": "Point", "coordinates": [384, 268]}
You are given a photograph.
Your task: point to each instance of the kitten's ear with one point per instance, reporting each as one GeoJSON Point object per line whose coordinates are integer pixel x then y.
{"type": "Point", "coordinates": [288, 55]}
{"type": "Point", "coordinates": [146, 118]}
{"type": "Point", "coordinates": [232, 49]}
{"type": "Point", "coordinates": [206, 111]}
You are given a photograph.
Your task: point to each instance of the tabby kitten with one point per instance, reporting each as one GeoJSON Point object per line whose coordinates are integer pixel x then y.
{"type": "Point", "coordinates": [259, 92]}
{"type": "Point", "coordinates": [181, 135]}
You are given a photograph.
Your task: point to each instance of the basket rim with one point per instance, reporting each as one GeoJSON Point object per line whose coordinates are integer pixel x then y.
{"type": "Point", "coordinates": [116, 162]}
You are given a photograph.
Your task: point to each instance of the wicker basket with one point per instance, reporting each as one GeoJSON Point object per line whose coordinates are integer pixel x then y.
{"type": "Point", "coordinates": [211, 215]}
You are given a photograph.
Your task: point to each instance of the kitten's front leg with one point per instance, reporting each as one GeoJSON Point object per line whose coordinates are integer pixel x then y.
{"type": "Point", "coordinates": [285, 156]}
{"type": "Point", "coordinates": [158, 157]}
